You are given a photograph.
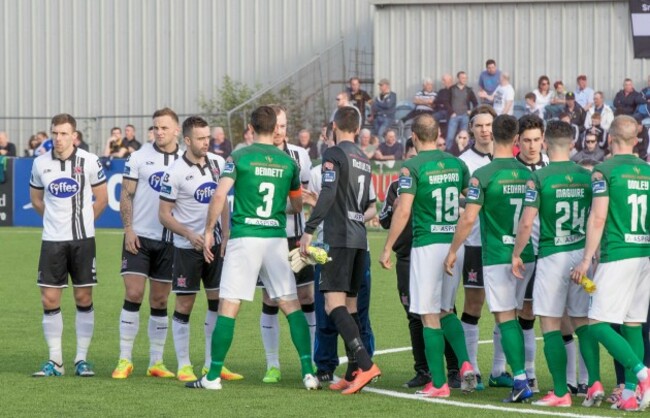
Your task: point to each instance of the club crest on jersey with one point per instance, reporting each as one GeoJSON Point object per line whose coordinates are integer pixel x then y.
{"type": "Point", "coordinates": [124, 263]}
{"type": "Point", "coordinates": [472, 276]}
{"type": "Point", "coordinates": [78, 170]}
{"type": "Point", "coordinates": [637, 170]}
{"type": "Point", "coordinates": [127, 170]}
{"type": "Point", "coordinates": [531, 195]}
{"type": "Point", "coordinates": [100, 174]}
{"type": "Point", "coordinates": [63, 188]}
{"type": "Point", "coordinates": [405, 182]}
{"type": "Point", "coordinates": [165, 189]}
{"type": "Point", "coordinates": [204, 192]}
{"type": "Point", "coordinates": [181, 281]}
{"type": "Point", "coordinates": [329, 176]}
{"type": "Point", "coordinates": [229, 167]}
{"type": "Point", "coordinates": [569, 178]}
{"type": "Point", "coordinates": [598, 186]}
{"type": "Point", "coordinates": [474, 191]}
{"type": "Point", "coordinates": [515, 174]}
{"type": "Point", "coordinates": [441, 165]}
{"type": "Point", "coordinates": [268, 159]}
{"type": "Point", "coordinates": [155, 180]}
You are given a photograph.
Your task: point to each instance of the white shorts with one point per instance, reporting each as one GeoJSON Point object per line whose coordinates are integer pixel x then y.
{"type": "Point", "coordinates": [503, 291]}
{"type": "Point", "coordinates": [247, 258]}
{"type": "Point", "coordinates": [554, 290]}
{"type": "Point", "coordinates": [622, 291]}
{"type": "Point", "coordinates": [431, 289]}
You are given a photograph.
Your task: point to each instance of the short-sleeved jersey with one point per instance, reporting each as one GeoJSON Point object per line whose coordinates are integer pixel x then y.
{"type": "Point", "coordinates": [67, 186]}
{"type": "Point", "coordinates": [264, 177]}
{"type": "Point", "coordinates": [147, 167]}
{"type": "Point", "coordinates": [190, 187]}
{"type": "Point", "coordinates": [436, 179]}
{"type": "Point", "coordinates": [346, 182]}
{"type": "Point", "coordinates": [296, 222]}
{"type": "Point", "coordinates": [561, 192]}
{"type": "Point", "coordinates": [499, 188]}
{"type": "Point", "coordinates": [626, 180]}
{"type": "Point", "coordinates": [474, 160]}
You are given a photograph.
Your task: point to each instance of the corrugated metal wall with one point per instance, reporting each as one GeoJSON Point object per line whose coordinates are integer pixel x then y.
{"type": "Point", "coordinates": [561, 40]}
{"type": "Point", "coordinates": [122, 57]}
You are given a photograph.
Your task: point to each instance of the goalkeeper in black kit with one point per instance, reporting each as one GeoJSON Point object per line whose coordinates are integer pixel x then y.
{"type": "Point", "coordinates": [345, 196]}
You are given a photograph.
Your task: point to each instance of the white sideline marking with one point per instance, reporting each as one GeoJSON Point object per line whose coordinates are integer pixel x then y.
{"type": "Point", "coordinates": [483, 406]}
{"type": "Point", "coordinates": [102, 231]}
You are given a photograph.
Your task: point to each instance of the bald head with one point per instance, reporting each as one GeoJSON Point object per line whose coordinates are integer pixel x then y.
{"type": "Point", "coordinates": [425, 128]}
{"type": "Point", "coordinates": [447, 80]}
{"type": "Point", "coordinates": [3, 139]}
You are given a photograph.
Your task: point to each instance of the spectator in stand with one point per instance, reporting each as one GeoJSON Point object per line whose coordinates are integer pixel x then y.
{"type": "Point", "coordinates": [488, 82]}
{"type": "Point", "coordinates": [591, 150]}
{"type": "Point", "coordinates": [644, 109]}
{"type": "Point", "coordinates": [599, 131]}
{"type": "Point", "coordinates": [383, 108]}
{"type": "Point", "coordinates": [606, 113]}
{"type": "Point", "coordinates": [584, 95]}
{"type": "Point", "coordinates": [532, 107]}
{"type": "Point", "coordinates": [390, 149]}
{"type": "Point", "coordinates": [322, 139]}
{"type": "Point", "coordinates": [247, 136]}
{"type": "Point", "coordinates": [558, 100]}
{"type": "Point", "coordinates": [441, 143]}
{"type": "Point", "coordinates": [627, 101]}
{"type": "Point", "coordinates": [304, 140]}
{"type": "Point", "coordinates": [442, 104]}
{"type": "Point", "coordinates": [115, 144]}
{"type": "Point", "coordinates": [219, 144]}
{"type": "Point", "coordinates": [46, 144]}
{"type": "Point", "coordinates": [7, 149]}
{"type": "Point", "coordinates": [32, 145]}
{"type": "Point", "coordinates": [641, 147]}
{"type": "Point", "coordinates": [358, 98]}
{"type": "Point", "coordinates": [79, 141]}
{"type": "Point", "coordinates": [543, 93]}
{"type": "Point", "coordinates": [151, 136]}
{"type": "Point", "coordinates": [576, 114]}
{"type": "Point", "coordinates": [462, 101]}
{"type": "Point", "coordinates": [343, 100]}
{"type": "Point", "coordinates": [504, 96]}
{"type": "Point", "coordinates": [565, 117]}
{"type": "Point", "coordinates": [460, 144]}
{"type": "Point", "coordinates": [132, 144]}
{"type": "Point", "coordinates": [423, 100]}
{"type": "Point", "coordinates": [365, 143]}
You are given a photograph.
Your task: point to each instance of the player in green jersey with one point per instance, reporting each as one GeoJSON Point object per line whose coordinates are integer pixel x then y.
{"type": "Point", "coordinates": [496, 193]}
{"type": "Point", "coordinates": [430, 185]}
{"type": "Point", "coordinates": [263, 178]}
{"type": "Point", "coordinates": [561, 194]}
{"type": "Point", "coordinates": [620, 222]}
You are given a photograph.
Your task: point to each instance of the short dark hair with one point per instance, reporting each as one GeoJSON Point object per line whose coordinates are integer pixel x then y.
{"type": "Point", "coordinates": [530, 95]}
{"type": "Point", "coordinates": [165, 111]}
{"type": "Point", "coordinates": [557, 83]}
{"type": "Point", "coordinates": [490, 61]}
{"type": "Point", "coordinates": [588, 162]}
{"type": "Point", "coordinates": [354, 78]}
{"type": "Point", "coordinates": [278, 108]}
{"type": "Point", "coordinates": [62, 118]}
{"type": "Point", "coordinates": [130, 126]}
{"type": "Point", "coordinates": [504, 129]}
{"type": "Point", "coordinates": [558, 133]}
{"type": "Point", "coordinates": [114, 128]}
{"type": "Point", "coordinates": [347, 119]}
{"type": "Point", "coordinates": [191, 123]}
{"type": "Point", "coordinates": [596, 115]}
{"type": "Point", "coordinates": [527, 122]}
{"type": "Point", "coordinates": [263, 120]}
{"type": "Point", "coordinates": [564, 115]}
{"type": "Point", "coordinates": [80, 136]}
{"type": "Point", "coordinates": [459, 73]}
{"type": "Point", "coordinates": [151, 128]}
{"type": "Point", "coordinates": [408, 145]}
{"type": "Point", "coordinates": [426, 128]}
{"type": "Point", "coordinates": [482, 109]}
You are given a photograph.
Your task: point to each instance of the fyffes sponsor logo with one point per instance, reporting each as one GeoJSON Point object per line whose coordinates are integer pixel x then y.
{"type": "Point", "coordinates": [63, 187]}
{"type": "Point", "coordinates": [205, 191]}
{"type": "Point", "coordinates": [155, 180]}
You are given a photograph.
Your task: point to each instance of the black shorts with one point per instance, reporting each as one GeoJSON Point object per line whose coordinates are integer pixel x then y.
{"type": "Point", "coordinates": [154, 259]}
{"type": "Point", "coordinates": [473, 267]}
{"type": "Point", "coordinates": [531, 283]}
{"type": "Point", "coordinates": [190, 269]}
{"type": "Point", "coordinates": [402, 268]}
{"type": "Point", "coordinates": [345, 272]}
{"type": "Point", "coordinates": [62, 258]}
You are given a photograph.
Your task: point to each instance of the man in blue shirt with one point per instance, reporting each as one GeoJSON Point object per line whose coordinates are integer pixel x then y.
{"type": "Point", "coordinates": [488, 81]}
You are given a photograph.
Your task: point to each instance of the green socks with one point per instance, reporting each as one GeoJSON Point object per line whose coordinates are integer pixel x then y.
{"type": "Point", "coordinates": [512, 340]}
{"type": "Point", "coordinates": [590, 353]}
{"type": "Point", "coordinates": [434, 347]}
{"type": "Point", "coordinates": [453, 331]}
{"type": "Point", "coordinates": [221, 341]}
{"type": "Point", "coordinates": [556, 359]}
{"type": "Point", "coordinates": [301, 339]}
{"type": "Point", "coordinates": [618, 346]}
{"type": "Point", "coordinates": [634, 337]}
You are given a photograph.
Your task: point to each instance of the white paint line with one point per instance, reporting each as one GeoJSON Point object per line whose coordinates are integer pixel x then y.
{"type": "Point", "coordinates": [483, 406]}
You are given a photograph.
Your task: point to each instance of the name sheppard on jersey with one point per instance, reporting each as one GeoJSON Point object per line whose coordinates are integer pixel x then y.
{"type": "Point", "coordinates": [444, 178]}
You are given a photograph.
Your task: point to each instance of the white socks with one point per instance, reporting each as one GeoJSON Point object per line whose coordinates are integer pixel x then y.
{"type": "Point", "coordinates": [530, 345]}
{"type": "Point", "coordinates": [157, 330]}
{"type": "Point", "coordinates": [181, 333]}
{"type": "Point", "coordinates": [210, 323]}
{"type": "Point", "coordinates": [311, 322]}
{"type": "Point", "coordinates": [53, 330]}
{"type": "Point", "coordinates": [471, 341]}
{"type": "Point", "coordinates": [129, 325]}
{"type": "Point", "coordinates": [270, 330]}
{"type": "Point", "coordinates": [85, 324]}
{"type": "Point", "coordinates": [570, 347]}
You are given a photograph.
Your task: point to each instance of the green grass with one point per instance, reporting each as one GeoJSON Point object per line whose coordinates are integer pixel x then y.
{"type": "Point", "coordinates": [23, 349]}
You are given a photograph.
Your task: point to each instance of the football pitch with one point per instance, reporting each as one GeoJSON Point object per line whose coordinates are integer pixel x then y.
{"type": "Point", "coordinates": [23, 351]}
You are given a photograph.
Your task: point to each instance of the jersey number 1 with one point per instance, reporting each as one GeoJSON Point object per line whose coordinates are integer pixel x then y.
{"type": "Point", "coordinates": [639, 203]}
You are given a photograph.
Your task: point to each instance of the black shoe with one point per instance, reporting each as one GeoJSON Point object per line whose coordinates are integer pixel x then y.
{"type": "Point", "coordinates": [421, 378]}
{"type": "Point", "coordinates": [582, 390]}
{"type": "Point", "coordinates": [572, 389]}
{"type": "Point", "coordinates": [324, 376]}
{"type": "Point", "coordinates": [453, 379]}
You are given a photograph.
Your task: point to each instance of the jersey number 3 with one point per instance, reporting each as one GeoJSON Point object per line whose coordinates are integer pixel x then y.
{"type": "Point", "coordinates": [267, 190]}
